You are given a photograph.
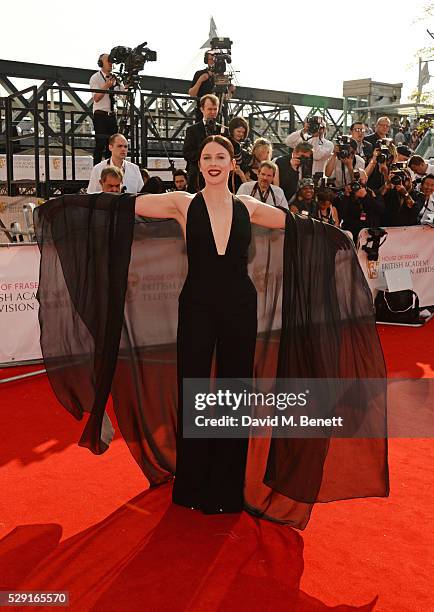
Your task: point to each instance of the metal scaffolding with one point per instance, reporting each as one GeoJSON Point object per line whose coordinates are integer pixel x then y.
{"type": "Point", "coordinates": [53, 116]}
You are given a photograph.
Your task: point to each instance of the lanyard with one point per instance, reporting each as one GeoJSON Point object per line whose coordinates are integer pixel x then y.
{"type": "Point", "coordinates": [263, 197]}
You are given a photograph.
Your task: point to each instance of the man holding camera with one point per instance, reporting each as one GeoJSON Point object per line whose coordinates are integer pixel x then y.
{"type": "Point", "coordinates": [382, 128]}
{"type": "Point", "coordinates": [359, 206]}
{"type": "Point", "coordinates": [344, 162]}
{"type": "Point", "coordinates": [104, 115]}
{"type": "Point", "coordinates": [202, 83]}
{"type": "Point", "coordinates": [400, 206]}
{"type": "Point", "coordinates": [313, 132]}
{"type": "Point", "coordinates": [263, 189]}
{"type": "Point", "coordinates": [196, 133]}
{"type": "Point", "coordinates": [294, 166]}
{"type": "Point", "coordinates": [364, 148]}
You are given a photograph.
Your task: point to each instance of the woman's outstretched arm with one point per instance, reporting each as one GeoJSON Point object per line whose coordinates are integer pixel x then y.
{"type": "Point", "coordinates": [264, 214]}
{"type": "Point", "coordinates": [162, 205]}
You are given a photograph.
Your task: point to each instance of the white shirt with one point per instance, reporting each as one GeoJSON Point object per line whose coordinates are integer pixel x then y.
{"type": "Point", "coordinates": [322, 148]}
{"type": "Point", "coordinates": [429, 210]}
{"type": "Point", "coordinates": [337, 172]}
{"type": "Point", "coordinates": [132, 177]}
{"type": "Point", "coordinates": [97, 81]}
{"type": "Point", "coordinates": [279, 196]}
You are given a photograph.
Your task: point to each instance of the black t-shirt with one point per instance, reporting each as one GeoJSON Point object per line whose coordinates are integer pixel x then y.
{"type": "Point", "coordinates": [206, 87]}
{"type": "Point", "coordinates": [288, 177]}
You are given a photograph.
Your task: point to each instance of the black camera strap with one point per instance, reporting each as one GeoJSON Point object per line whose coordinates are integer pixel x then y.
{"type": "Point", "coordinates": [263, 197]}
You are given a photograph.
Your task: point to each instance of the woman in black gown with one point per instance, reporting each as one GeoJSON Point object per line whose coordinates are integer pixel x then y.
{"type": "Point", "coordinates": [217, 310]}
{"type": "Point", "coordinates": [315, 321]}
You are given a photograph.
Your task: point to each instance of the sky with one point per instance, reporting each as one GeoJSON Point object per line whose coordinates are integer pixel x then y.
{"type": "Point", "coordinates": [291, 46]}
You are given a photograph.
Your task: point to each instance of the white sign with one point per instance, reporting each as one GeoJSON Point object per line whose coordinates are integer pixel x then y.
{"type": "Point", "coordinates": [405, 248]}
{"type": "Point", "coordinates": [24, 167]}
{"type": "Point", "coordinates": [19, 327]}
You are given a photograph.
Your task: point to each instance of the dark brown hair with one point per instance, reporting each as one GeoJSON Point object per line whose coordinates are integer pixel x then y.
{"type": "Point", "coordinates": [221, 140]}
{"type": "Point", "coordinates": [238, 122]}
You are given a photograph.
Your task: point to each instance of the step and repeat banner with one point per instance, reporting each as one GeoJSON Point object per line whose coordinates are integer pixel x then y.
{"type": "Point", "coordinates": [409, 248]}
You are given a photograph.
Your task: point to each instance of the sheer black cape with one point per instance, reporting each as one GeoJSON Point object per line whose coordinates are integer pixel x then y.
{"type": "Point", "coordinates": [108, 292]}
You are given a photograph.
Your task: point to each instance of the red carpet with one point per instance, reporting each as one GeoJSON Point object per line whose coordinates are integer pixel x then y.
{"type": "Point", "coordinates": [72, 521]}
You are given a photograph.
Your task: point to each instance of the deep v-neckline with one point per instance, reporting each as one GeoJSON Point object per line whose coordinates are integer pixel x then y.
{"type": "Point", "coordinates": [211, 228]}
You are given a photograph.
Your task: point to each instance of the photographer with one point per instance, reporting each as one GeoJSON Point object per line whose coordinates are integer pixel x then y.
{"type": "Point", "coordinates": [424, 198]}
{"type": "Point", "coordinates": [196, 133]}
{"type": "Point", "coordinates": [313, 132]}
{"type": "Point", "coordinates": [238, 133]}
{"type": "Point", "coordinates": [104, 111]}
{"type": "Point", "coordinates": [359, 206]}
{"type": "Point", "coordinates": [364, 148]}
{"type": "Point", "coordinates": [384, 155]}
{"type": "Point", "coordinates": [297, 164]}
{"type": "Point", "coordinates": [263, 189]}
{"type": "Point", "coordinates": [303, 203]}
{"type": "Point", "coordinates": [344, 162]}
{"type": "Point", "coordinates": [400, 206]}
{"type": "Point", "coordinates": [419, 166]}
{"type": "Point", "coordinates": [382, 128]}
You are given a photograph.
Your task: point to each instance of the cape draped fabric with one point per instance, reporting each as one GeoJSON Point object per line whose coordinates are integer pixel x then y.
{"type": "Point", "coordinates": [108, 294]}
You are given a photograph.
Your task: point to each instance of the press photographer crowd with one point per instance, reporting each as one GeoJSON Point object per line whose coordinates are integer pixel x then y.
{"type": "Point", "coordinates": [367, 178]}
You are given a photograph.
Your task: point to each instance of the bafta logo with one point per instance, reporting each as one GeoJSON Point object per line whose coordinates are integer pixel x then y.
{"type": "Point", "coordinates": [372, 269]}
{"type": "Point", "coordinates": [57, 163]}
{"type": "Point", "coordinates": [2, 162]}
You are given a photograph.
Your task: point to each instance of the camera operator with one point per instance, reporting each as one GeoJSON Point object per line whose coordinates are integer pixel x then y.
{"type": "Point", "coordinates": [364, 148]}
{"type": "Point", "coordinates": [424, 198]}
{"type": "Point", "coordinates": [292, 167]}
{"type": "Point", "coordinates": [359, 206]}
{"type": "Point", "coordinates": [344, 162]}
{"type": "Point", "coordinates": [314, 132]}
{"type": "Point", "coordinates": [202, 83]}
{"type": "Point", "coordinates": [400, 207]}
{"type": "Point", "coordinates": [263, 189]}
{"type": "Point", "coordinates": [180, 180]}
{"type": "Point", "coordinates": [118, 147]}
{"type": "Point", "coordinates": [324, 209]}
{"type": "Point", "coordinates": [104, 111]}
{"type": "Point", "coordinates": [196, 133]}
{"type": "Point", "coordinates": [238, 133]}
{"type": "Point", "coordinates": [303, 203]}
{"type": "Point", "coordinates": [383, 156]}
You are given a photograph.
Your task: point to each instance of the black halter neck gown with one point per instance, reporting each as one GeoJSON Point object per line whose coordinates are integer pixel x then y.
{"type": "Point", "coordinates": [217, 311]}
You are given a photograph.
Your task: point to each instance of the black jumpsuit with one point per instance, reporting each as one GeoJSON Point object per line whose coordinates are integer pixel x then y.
{"type": "Point", "coordinates": [217, 310]}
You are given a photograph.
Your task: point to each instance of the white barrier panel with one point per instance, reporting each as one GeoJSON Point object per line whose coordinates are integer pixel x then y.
{"type": "Point", "coordinates": [19, 327]}
{"type": "Point", "coordinates": [409, 248]}
{"type": "Point", "coordinates": [19, 274]}
{"type": "Point", "coordinates": [24, 167]}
